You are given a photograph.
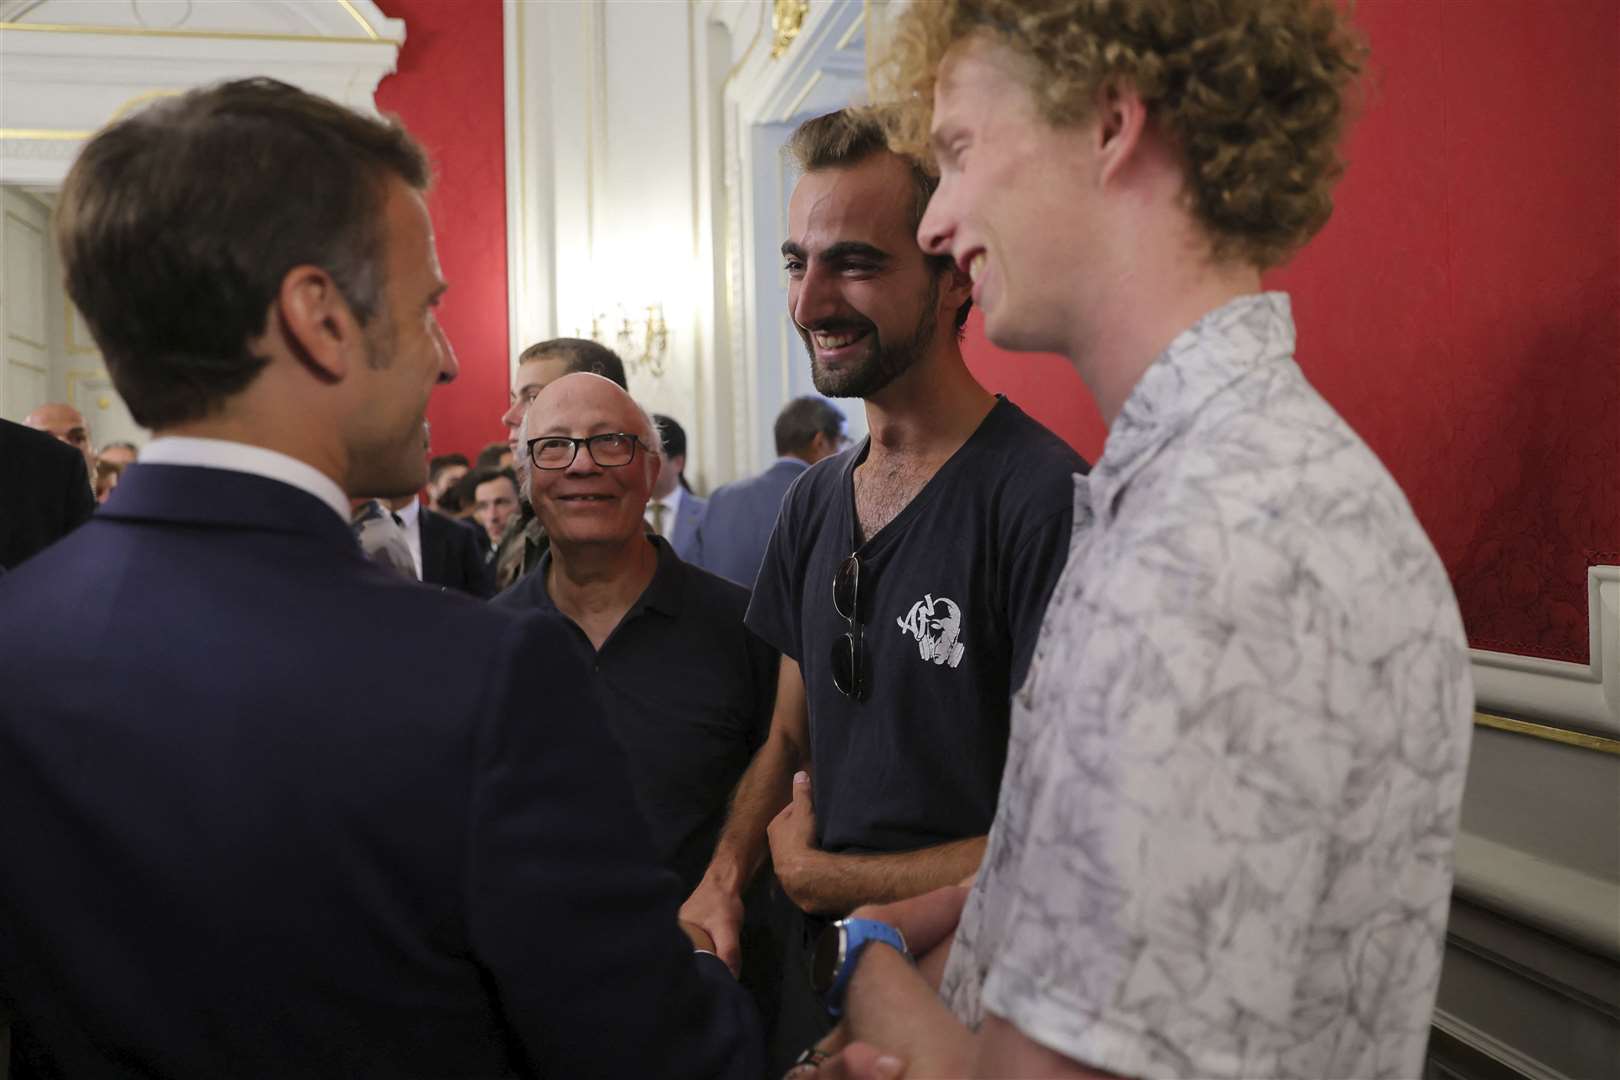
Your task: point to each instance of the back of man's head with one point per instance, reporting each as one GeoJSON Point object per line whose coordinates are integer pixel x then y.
{"type": "Point", "coordinates": [671, 435]}
{"type": "Point", "coordinates": [848, 137]}
{"type": "Point", "coordinates": [177, 225]}
{"type": "Point", "coordinates": [490, 456]}
{"type": "Point", "coordinates": [579, 355]}
{"type": "Point", "coordinates": [801, 420]}
{"type": "Point", "coordinates": [442, 462]}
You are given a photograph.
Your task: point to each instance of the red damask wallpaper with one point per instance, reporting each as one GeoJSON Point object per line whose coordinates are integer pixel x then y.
{"type": "Point", "coordinates": [449, 91]}
{"type": "Point", "coordinates": [1462, 308]}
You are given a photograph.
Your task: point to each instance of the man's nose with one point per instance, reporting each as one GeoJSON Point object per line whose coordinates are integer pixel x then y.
{"type": "Point", "coordinates": [513, 416]}
{"type": "Point", "coordinates": [583, 462]}
{"type": "Point", "coordinates": [935, 230]}
{"type": "Point", "coordinates": [449, 366]}
{"type": "Point", "coordinates": [816, 298]}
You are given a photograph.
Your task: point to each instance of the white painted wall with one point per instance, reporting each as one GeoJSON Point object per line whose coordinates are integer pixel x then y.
{"type": "Point", "coordinates": [644, 168]}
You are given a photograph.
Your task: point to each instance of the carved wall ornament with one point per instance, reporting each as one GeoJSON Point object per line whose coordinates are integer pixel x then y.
{"type": "Point", "coordinates": [787, 18]}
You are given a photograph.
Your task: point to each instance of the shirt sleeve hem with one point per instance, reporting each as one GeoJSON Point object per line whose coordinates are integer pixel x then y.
{"type": "Point", "coordinates": [1109, 1042]}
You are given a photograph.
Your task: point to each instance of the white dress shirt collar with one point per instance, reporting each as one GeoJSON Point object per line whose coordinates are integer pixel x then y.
{"type": "Point", "coordinates": [243, 458]}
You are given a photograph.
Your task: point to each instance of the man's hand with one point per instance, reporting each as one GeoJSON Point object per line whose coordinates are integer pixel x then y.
{"type": "Point", "coordinates": [718, 913]}
{"type": "Point", "coordinates": [858, 1061]}
{"type": "Point", "coordinates": [700, 937]}
{"type": "Point", "coordinates": [792, 834]}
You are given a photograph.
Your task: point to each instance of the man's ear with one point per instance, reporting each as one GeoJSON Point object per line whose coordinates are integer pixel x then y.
{"type": "Point", "coordinates": [655, 468]}
{"type": "Point", "coordinates": [1120, 125]}
{"type": "Point", "coordinates": [316, 323]}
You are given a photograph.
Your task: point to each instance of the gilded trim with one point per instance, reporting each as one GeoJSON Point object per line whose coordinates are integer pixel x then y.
{"type": "Point", "coordinates": [1580, 739]}
{"type": "Point", "coordinates": [357, 17]}
{"type": "Point", "coordinates": [138, 100]}
{"type": "Point", "coordinates": [787, 19]}
{"type": "Point", "coordinates": [215, 35]}
{"type": "Point", "coordinates": [44, 134]}
{"type": "Point", "coordinates": [81, 375]}
{"type": "Point", "coordinates": [70, 340]}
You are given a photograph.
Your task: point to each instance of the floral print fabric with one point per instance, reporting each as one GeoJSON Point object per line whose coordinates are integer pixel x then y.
{"type": "Point", "coordinates": [1223, 841]}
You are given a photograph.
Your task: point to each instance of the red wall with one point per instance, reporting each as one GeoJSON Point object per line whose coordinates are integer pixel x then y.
{"type": "Point", "coordinates": [1462, 309]}
{"type": "Point", "coordinates": [450, 94]}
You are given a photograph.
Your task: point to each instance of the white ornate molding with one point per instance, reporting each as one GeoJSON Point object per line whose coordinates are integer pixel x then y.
{"type": "Point", "coordinates": [70, 68]}
{"type": "Point", "coordinates": [824, 68]}
{"type": "Point", "coordinates": [530, 184]}
{"type": "Point", "coordinates": [1581, 696]}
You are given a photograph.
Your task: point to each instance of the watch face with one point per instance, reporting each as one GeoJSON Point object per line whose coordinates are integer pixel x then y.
{"type": "Point", "coordinates": [829, 951]}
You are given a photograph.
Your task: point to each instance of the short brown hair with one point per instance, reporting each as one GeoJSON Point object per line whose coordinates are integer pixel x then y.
{"type": "Point", "coordinates": [848, 137]}
{"type": "Point", "coordinates": [1251, 91]}
{"type": "Point", "coordinates": [579, 354]}
{"type": "Point", "coordinates": [178, 224]}
{"type": "Point", "coordinates": [802, 419]}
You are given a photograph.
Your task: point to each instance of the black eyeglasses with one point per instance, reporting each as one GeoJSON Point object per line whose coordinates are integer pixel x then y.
{"type": "Point", "coordinates": [848, 659]}
{"type": "Point", "coordinates": [610, 451]}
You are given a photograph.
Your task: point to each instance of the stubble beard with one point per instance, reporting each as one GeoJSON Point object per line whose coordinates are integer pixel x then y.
{"type": "Point", "coordinates": [883, 363]}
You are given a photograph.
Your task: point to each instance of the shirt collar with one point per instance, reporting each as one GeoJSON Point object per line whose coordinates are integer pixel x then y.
{"type": "Point", "coordinates": [662, 594]}
{"type": "Point", "coordinates": [410, 512]}
{"type": "Point", "coordinates": [244, 458]}
{"type": "Point", "coordinates": [1223, 346]}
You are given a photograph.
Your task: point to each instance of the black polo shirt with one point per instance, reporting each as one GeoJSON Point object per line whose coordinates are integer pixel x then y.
{"type": "Point", "coordinates": [688, 690]}
{"type": "Point", "coordinates": [952, 592]}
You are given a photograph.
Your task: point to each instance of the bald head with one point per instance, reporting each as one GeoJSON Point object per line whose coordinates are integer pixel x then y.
{"type": "Point", "coordinates": [66, 423]}
{"type": "Point", "coordinates": [586, 502]}
{"type": "Point", "coordinates": [563, 403]}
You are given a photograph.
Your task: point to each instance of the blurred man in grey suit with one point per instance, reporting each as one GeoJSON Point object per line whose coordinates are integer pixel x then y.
{"type": "Point", "coordinates": [732, 537]}
{"type": "Point", "coordinates": [675, 512]}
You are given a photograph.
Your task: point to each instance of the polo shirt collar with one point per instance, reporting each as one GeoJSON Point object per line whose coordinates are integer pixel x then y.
{"type": "Point", "coordinates": [663, 593]}
{"type": "Point", "coordinates": [1233, 340]}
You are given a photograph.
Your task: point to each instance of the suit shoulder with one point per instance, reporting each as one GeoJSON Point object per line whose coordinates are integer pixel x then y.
{"type": "Point", "coordinates": [36, 448]}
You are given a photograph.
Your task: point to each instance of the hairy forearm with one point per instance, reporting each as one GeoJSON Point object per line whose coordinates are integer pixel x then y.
{"type": "Point", "coordinates": [827, 883]}
{"type": "Point", "coordinates": [892, 1007]}
{"type": "Point", "coordinates": [761, 793]}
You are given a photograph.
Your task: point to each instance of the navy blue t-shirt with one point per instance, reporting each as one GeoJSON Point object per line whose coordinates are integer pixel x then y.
{"type": "Point", "coordinates": [951, 597]}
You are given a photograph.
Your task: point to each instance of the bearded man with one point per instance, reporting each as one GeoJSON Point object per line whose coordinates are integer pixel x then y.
{"type": "Point", "coordinates": [956, 495]}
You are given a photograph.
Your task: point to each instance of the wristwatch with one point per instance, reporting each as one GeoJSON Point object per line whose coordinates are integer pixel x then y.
{"type": "Point", "coordinates": [839, 948]}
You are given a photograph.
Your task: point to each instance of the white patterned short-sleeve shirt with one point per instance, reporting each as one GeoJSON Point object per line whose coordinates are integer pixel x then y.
{"type": "Point", "coordinates": [1224, 836]}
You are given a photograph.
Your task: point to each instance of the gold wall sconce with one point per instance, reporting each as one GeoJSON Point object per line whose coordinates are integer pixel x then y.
{"type": "Point", "coordinates": [642, 343]}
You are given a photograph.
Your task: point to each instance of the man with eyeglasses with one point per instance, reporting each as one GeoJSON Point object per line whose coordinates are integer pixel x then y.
{"type": "Point", "coordinates": [688, 688]}
{"type": "Point", "coordinates": [904, 581]}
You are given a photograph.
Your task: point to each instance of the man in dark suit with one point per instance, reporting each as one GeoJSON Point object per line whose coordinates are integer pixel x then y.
{"type": "Point", "coordinates": [269, 838]}
{"type": "Point", "coordinates": [674, 511]}
{"type": "Point", "coordinates": [44, 492]}
{"type": "Point", "coordinates": [737, 524]}
{"type": "Point", "coordinates": [443, 551]}
{"type": "Point", "coordinates": [453, 554]}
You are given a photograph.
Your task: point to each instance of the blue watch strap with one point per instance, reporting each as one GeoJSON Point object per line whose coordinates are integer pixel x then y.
{"type": "Point", "coordinates": [857, 935]}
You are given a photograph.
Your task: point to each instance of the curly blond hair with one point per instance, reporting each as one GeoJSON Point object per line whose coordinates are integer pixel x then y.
{"type": "Point", "coordinates": [1253, 93]}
